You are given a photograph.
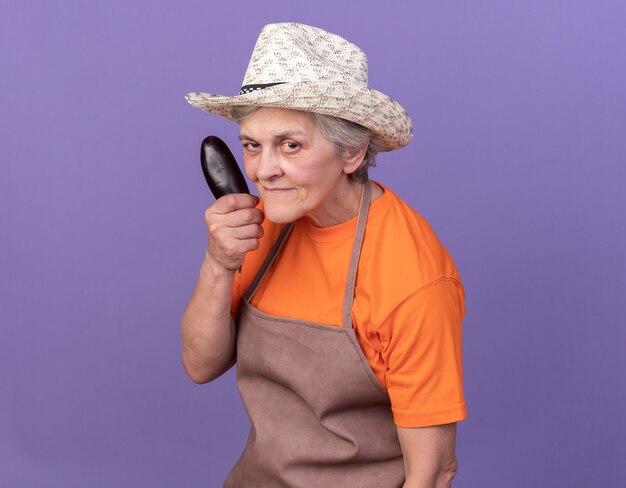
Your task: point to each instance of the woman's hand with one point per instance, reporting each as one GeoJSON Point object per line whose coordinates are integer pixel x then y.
{"type": "Point", "coordinates": [233, 229]}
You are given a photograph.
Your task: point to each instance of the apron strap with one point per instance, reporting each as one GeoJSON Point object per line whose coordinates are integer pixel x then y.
{"type": "Point", "coordinates": [348, 299]}
{"type": "Point", "coordinates": [273, 254]}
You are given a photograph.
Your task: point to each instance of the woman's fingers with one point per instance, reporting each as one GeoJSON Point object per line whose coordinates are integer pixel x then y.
{"type": "Point", "coordinates": [234, 201]}
{"type": "Point", "coordinates": [252, 231]}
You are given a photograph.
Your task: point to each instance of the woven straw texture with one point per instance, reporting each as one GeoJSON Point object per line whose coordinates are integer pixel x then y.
{"type": "Point", "coordinates": [318, 72]}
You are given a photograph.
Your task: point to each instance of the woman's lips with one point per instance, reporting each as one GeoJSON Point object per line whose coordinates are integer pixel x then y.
{"type": "Point", "coordinates": [276, 190]}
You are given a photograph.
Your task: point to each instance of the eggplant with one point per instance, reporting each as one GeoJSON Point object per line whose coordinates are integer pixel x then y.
{"type": "Point", "coordinates": [220, 168]}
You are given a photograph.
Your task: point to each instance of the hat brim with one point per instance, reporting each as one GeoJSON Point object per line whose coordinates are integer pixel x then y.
{"type": "Point", "coordinates": [368, 107]}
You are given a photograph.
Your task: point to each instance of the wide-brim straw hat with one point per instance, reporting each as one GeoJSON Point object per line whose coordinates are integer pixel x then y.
{"type": "Point", "coordinates": [301, 67]}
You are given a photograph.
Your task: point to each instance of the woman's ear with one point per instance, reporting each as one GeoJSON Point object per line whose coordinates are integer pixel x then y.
{"type": "Point", "coordinates": [353, 160]}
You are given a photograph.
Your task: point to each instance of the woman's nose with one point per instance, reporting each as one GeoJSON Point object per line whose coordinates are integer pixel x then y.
{"type": "Point", "coordinates": [268, 166]}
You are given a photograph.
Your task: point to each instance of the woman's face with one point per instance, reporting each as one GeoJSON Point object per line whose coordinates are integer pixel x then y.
{"type": "Point", "coordinates": [296, 169]}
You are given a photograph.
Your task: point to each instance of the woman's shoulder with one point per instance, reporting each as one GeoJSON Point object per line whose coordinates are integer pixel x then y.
{"type": "Point", "coordinates": [402, 245]}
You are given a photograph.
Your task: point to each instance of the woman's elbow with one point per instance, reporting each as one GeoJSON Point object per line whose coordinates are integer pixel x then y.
{"type": "Point", "coordinates": [195, 374]}
{"type": "Point", "coordinates": [446, 474]}
{"type": "Point", "coordinates": [202, 375]}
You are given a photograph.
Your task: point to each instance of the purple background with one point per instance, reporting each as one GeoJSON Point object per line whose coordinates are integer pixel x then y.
{"type": "Point", "coordinates": [519, 111]}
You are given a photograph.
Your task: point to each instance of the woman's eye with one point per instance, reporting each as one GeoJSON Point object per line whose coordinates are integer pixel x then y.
{"type": "Point", "coordinates": [290, 146]}
{"type": "Point", "coordinates": [250, 146]}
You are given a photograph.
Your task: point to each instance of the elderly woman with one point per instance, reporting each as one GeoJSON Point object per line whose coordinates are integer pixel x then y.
{"type": "Point", "coordinates": [336, 300]}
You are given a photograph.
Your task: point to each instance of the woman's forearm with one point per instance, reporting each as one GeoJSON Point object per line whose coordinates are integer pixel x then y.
{"type": "Point", "coordinates": [208, 334]}
{"type": "Point", "coordinates": [429, 455]}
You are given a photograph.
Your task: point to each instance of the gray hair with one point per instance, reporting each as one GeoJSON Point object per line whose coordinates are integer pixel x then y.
{"type": "Point", "coordinates": [347, 137]}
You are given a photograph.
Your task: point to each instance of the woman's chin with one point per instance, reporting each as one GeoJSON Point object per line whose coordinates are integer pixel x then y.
{"type": "Point", "coordinates": [278, 215]}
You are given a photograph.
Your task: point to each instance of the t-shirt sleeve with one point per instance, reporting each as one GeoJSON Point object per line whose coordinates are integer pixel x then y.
{"type": "Point", "coordinates": [421, 341]}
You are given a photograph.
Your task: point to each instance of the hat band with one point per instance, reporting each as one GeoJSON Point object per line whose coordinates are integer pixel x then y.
{"type": "Point", "coordinates": [250, 88]}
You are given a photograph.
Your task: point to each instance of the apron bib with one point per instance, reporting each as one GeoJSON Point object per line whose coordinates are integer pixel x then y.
{"type": "Point", "coordinates": [320, 417]}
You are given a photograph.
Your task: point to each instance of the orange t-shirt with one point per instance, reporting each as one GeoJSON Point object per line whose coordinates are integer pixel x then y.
{"type": "Point", "coordinates": [408, 305]}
